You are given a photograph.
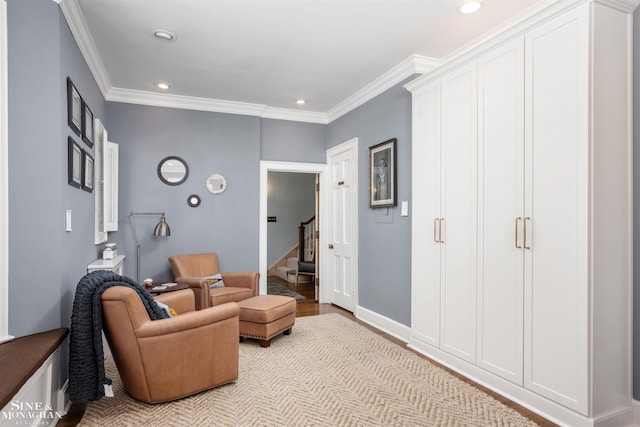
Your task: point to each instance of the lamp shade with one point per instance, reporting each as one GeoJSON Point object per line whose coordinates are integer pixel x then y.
{"type": "Point", "coordinates": [162, 229]}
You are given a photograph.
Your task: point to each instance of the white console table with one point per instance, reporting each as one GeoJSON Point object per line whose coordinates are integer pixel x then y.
{"type": "Point", "coordinates": [116, 265]}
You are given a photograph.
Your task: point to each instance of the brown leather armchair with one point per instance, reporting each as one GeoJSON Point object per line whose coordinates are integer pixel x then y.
{"type": "Point", "coordinates": [167, 359]}
{"type": "Point", "coordinates": [193, 269]}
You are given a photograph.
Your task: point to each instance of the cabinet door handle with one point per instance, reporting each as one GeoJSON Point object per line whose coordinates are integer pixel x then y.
{"type": "Point", "coordinates": [435, 229]}
{"type": "Point", "coordinates": [517, 221]}
{"type": "Point", "coordinates": [525, 232]}
{"type": "Point", "coordinates": [440, 230]}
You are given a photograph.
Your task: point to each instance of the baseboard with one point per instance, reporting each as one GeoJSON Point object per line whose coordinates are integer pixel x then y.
{"type": "Point", "coordinates": [63, 401]}
{"type": "Point", "coordinates": [542, 406]}
{"type": "Point", "coordinates": [391, 327]}
{"type": "Point", "coordinates": [622, 417]}
{"type": "Point", "coordinates": [635, 406]}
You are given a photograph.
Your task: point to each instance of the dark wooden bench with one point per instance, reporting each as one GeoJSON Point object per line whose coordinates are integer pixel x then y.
{"type": "Point", "coordinates": [21, 358]}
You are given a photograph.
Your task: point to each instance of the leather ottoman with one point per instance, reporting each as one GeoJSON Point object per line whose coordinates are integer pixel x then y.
{"type": "Point", "coordinates": [264, 316]}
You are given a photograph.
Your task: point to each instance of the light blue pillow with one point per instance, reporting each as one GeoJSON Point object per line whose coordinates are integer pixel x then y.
{"type": "Point", "coordinates": [166, 308]}
{"type": "Point", "coordinates": [215, 281]}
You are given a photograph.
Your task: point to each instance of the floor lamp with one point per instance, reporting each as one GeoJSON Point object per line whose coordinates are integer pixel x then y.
{"type": "Point", "coordinates": [162, 230]}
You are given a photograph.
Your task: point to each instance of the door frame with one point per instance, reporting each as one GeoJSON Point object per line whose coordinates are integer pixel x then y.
{"type": "Point", "coordinates": [272, 166]}
{"type": "Point", "coordinates": [325, 292]}
{"type": "Point", "coordinates": [4, 179]}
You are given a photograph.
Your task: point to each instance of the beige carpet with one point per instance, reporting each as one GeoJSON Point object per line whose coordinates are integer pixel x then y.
{"type": "Point", "coordinates": [329, 372]}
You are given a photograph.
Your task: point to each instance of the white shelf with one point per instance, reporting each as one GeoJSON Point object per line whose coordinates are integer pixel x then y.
{"type": "Point", "coordinates": [115, 264]}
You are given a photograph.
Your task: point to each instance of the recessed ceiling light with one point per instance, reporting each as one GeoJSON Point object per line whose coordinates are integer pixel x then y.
{"type": "Point", "coordinates": [301, 102]}
{"type": "Point", "coordinates": [164, 35]}
{"type": "Point", "coordinates": [162, 85]}
{"type": "Point", "coordinates": [469, 7]}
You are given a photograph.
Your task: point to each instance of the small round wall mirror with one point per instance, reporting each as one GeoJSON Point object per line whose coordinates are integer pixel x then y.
{"type": "Point", "coordinates": [173, 170]}
{"type": "Point", "coordinates": [193, 200]}
{"type": "Point", "coordinates": [216, 183]}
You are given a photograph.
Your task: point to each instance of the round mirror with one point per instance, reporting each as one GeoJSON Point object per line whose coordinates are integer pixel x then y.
{"type": "Point", "coordinates": [173, 170]}
{"type": "Point", "coordinates": [216, 183]}
{"type": "Point", "coordinates": [193, 200]}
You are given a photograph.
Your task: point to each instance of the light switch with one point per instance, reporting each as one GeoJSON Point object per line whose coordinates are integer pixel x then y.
{"type": "Point", "coordinates": [67, 220]}
{"type": "Point", "coordinates": [404, 210]}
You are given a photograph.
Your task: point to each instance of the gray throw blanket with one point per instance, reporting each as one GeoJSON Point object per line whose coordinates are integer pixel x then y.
{"type": "Point", "coordinates": [86, 358]}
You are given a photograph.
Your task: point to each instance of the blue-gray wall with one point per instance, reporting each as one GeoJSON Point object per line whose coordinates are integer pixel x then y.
{"type": "Point", "coordinates": [287, 141]}
{"type": "Point", "coordinates": [291, 199]}
{"type": "Point", "coordinates": [45, 262]}
{"type": "Point", "coordinates": [384, 264]}
{"type": "Point", "coordinates": [210, 143]}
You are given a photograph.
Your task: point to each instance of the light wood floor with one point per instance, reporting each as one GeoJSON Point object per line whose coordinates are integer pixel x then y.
{"type": "Point", "coordinates": [309, 307]}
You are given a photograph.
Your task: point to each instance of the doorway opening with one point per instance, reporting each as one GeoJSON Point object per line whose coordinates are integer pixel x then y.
{"type": "Point", "coordinates": [311, 171]}
{"type": "Point", "coordinates": [292, 234]}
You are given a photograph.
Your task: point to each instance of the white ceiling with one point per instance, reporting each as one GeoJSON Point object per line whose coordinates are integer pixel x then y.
{"type": "Point", "coordinates": [259, 56]}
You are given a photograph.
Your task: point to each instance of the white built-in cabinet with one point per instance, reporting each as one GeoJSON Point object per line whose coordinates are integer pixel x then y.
{"type": "Point", "coordinates": [521, 252]}
{"type": "Point", "coordinates": [458, 173]}
{"type": "Point", "coordinates": [501, 211]}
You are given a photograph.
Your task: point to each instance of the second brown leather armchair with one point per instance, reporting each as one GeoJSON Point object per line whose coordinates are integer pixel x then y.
{"type": "Point", "coordinates": [193, 269]}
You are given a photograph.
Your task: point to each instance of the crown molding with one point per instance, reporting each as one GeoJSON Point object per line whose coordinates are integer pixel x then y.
{"type": "Point", "coordinates": [212, 105]}
{"type": "Point", "coordinates": [628, 6]}
{"type": "Point", "coordinates": [78, 26]}
{"type": "Point", "coordinates": [294, 115]}
{"type": "Point", "coordinates": [505, 30]}
{"type": "Point", "coordinates": [184, 102]}
{"type": "Point", "coordinates": [415, 64]}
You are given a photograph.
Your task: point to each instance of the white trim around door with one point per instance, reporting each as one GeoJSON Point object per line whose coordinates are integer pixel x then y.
{"type": "Point", "coordinates": [4, 180]}
{"type": "Point", "coordinates": [265, 168]}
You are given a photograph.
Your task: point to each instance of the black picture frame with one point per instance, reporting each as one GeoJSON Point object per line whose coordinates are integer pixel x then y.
{"type": "Point", "coordinates": [87, 124]}
{"type": "Point", "coordinates": [74, 107]}
{"type": "Point", "coordinates": [88, 171]}
{"type": "Point", "coordinates": [382, 174]}
{"type": "Point", "coordinates": [74, 166]}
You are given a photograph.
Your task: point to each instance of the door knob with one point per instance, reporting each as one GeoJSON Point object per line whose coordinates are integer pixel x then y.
{"type": "Point", "coordinates": [330, 245]}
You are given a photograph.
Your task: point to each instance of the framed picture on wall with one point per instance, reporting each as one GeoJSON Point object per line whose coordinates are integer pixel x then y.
{"type": "Point", "coordinates": [382, 174]}
{"type": "Point", "coordinates": [74, 107]}
{"type": "Point", "coordinates": [87, 124]}
{"type": "Point", "coordinates": [87, 171]}
{"type": "Point", "coordinates": [74, 164]}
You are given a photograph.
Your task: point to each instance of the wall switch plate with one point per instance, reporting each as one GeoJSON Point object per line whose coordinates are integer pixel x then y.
{"type": "Point", "coordinates": [404, 210]}
{"type": "Point", "coordinates": [67, 220]}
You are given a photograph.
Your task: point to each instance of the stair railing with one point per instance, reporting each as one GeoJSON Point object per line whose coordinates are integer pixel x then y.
{"type": "Point", "coordinates": [306, 240]}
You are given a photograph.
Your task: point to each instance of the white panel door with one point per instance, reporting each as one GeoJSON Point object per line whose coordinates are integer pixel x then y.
{"type": "Point", "coordinates": [557, 153]}
{"type": "Point", "coordinates": [459, 212]}
{"type": "Point", "coordinates": [426, 216]}
{"type": "Point", "coordinates": [501, 210]}
{"type": "Point", "coordinates": [343, 269]}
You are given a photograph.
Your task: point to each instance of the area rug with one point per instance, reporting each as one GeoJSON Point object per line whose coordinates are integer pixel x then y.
{"type": "Point", "coordinates": [274, 288]}
{"type": "Point", "coordinates": [330, 371]}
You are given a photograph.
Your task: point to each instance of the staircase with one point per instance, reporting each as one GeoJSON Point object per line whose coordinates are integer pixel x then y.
{"type": "Point", "coordinates": [287, 265]}
{"type": "Point", "coordinates": [288, 271]}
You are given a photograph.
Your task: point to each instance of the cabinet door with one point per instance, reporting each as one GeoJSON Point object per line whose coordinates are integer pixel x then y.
{"type": "Point", "coordinates": [556, 267]}
{"type": "Point", "coordinates": [500, 204]}
{"type": "Point", "coordinates": [459, 212]}
{"type": "Point", "coordinates": [425, 251]}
